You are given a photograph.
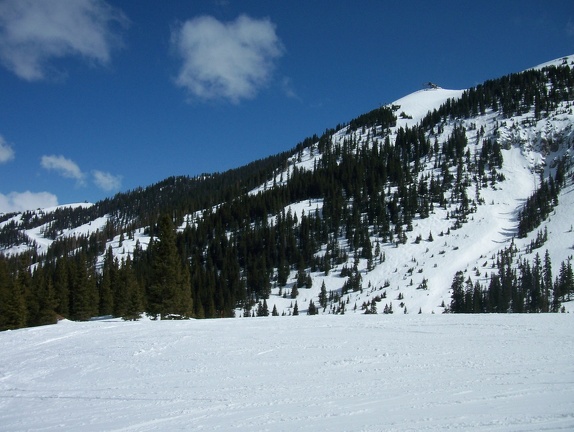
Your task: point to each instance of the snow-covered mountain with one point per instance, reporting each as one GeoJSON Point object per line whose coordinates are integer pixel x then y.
{"type": "Point", "coordinates": [414, 274]}
{"type": "Point", "coordinates": [452, 205]}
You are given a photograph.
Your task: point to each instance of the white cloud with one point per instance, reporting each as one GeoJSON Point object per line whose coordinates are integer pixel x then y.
{"type": "Point", "coordinates": [34, 32]}
{"type": "Point", "coordinates": [22, 201]}
{"type": "Point", "coordinates": [65, 167]}
{"type": "Point", "coordinates": [6, 152]}
{"type": "Point", "coordinates": [107, 181]}
{"type": "Point", "coordinates": [225, 60]}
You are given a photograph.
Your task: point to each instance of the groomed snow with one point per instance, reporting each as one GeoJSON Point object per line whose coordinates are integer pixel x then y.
{"type": "Point", "coordinates": [332, 373]}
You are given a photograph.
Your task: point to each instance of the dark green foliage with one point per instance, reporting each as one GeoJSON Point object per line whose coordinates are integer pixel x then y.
{"type": "Point", "coordinates": [12, 301]}
{"type": "Point", "coordinates": [382, 117]}
{"type": "Point", "coordinates": [323, 296]}
{"type": "Point", "coordinates": [263, 309]}
{"type": "Point", "coordinates": [538, 206]}
{"type": "Point", "coordinates": [168, 290]}
{"type": "Point", "coordinates": [525, 287]}
{"type": "Point", "coordinates": [312, 310]}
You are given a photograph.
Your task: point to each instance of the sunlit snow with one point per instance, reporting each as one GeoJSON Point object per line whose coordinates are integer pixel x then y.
{"type": "Point", "coordinates": [332, 373]}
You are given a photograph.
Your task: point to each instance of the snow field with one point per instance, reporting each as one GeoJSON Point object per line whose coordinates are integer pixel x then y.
{"type": "Point", "coordinates": [336, 373]}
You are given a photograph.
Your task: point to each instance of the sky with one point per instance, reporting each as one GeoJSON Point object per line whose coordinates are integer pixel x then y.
{"type": "Point", "coordinates": [99, 97]}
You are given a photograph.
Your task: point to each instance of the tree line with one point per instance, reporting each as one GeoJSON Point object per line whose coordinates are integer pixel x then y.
{"type": "Point", "coordinates": [522, 287]}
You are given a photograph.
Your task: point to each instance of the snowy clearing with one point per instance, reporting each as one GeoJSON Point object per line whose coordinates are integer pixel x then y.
{"type": "Point", "coordinates": [336, 373]}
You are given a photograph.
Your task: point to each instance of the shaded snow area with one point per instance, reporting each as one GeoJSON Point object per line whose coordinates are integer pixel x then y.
{"type": "Point", "coordinates": [333, 373]}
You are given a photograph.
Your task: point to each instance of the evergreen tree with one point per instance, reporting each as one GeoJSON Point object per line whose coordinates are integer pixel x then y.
{"type": "Point", "coordinates": [12, 303]}
{"type": "Point", "coordinates": [134, 294]}
{"type": "Point", "coordinates": [457, 293]}
{"type": "Point", "coordinates": [546, 283]}
{"type": "Point", "coordinates": [263, 309]}
{"type": "Point", "coordinates": [323, 296]}
{"type": "Point", "coordinates": [295, 309]}
{"type": "Point", "coordinates": [105, 286]}
{"type": "Point", "coordinates": [83, 292]}
{"type": "Point", "coordinates": [312, 308]}
{"type": "Point", "coordinates": [61, 287]}
{"type": "Point", "coordinates": [168, 294]}
{"type": "Point", "coordinates": [45, 300]}
{"type": "Point", "coordinates": [294, 291]}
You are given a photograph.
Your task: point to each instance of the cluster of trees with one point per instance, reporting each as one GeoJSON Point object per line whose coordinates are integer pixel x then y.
{"type": "Point", "coordinates": [539, 205]}
{"type": "Point", "coordinates": [179, 196]}
{"type": "Point", "coordinates": [243, 244]}
{"type": "Point", "coordinates": [514, 94]}
{"type": "Point", "coordinates": [520, 288]}
{"type": "Point", "coordinates": [156, 281]}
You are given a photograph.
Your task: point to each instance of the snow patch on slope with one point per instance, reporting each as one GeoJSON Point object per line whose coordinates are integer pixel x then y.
{"type": "Point", "coordinates": [417, 105]}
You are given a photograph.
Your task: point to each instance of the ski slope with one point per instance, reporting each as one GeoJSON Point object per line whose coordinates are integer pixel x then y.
{"type": "Point", "coordinates": [336, 373]}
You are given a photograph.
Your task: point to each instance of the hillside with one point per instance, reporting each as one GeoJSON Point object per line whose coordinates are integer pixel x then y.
{"type": "Point", "coordinates": [444, 200]}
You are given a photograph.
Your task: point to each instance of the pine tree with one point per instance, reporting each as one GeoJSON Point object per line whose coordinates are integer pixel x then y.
{"type": "Point", "coordinates": [546, 283]}
{"type": "Point", "coordinates": [323, 295]}
{"type": "Point", "coordinates": [312, 308]}
{"type": "Point", "coordinates": [44, 294]}
{"type": "Point", "coordinates": [61, 287]}
{"type": "Point", "coordinates": [84, 297]}
{"type": "Point", "coordinates": [105, 286]}
{"type": "Point", "coordinates": [294, 291]}
{"type": "Point", "coordinates": [12, 304]}
{"type": "Point", "coordinates": [134, 306]}
{"type": "Point", "coordinates": [295, 309]}
{"type": "Point", "coordinates": [168, 291]}
{"type": "Point", "coordinates": [263, 309]}
{"type": "Point", "coordinates": [457, 293]}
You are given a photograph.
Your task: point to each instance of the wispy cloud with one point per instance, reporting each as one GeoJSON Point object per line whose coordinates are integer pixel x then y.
{"type": "Point", "coordinates": [21, 201]}
{"type": "Point", "coordinates": [229, 61]}
{"type": "Point", "coordinates": [6, 151]}
{"type": "Point", "coordinates": [107, 181]}
{"type": "Point", "coordinates": [69, 169]}
{"type": "Point", "coordinates": [65, 167]}
{"type": "Point", "coordinates": [34, 32]}
{"type": "Point", "coordinates": [287, 86]}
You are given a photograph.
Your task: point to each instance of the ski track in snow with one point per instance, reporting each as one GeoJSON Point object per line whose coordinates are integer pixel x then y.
{"type": "Point", "coordinates": [337, 373]}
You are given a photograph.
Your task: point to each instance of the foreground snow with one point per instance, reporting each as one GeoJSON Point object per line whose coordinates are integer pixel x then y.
{"type": "Point", "coordinates": [336, 373]}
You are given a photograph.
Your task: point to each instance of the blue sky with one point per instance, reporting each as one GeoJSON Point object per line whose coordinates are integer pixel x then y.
{"type": "Point", "coordinates": [99, 97]}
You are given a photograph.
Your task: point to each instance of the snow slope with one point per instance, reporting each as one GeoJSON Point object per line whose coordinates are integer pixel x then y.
{"type": "Point", "coordinates": [335, 373]}
{"type": "Point", "coordinates": [417, 105]}
{"type": "Point", "coordinates": [471, 248]}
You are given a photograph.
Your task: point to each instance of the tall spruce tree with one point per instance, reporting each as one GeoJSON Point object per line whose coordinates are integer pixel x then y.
{"type": "Point", "coordinates": [168, 291]}
{"type": "Point", "coordinates": [12, 303]}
